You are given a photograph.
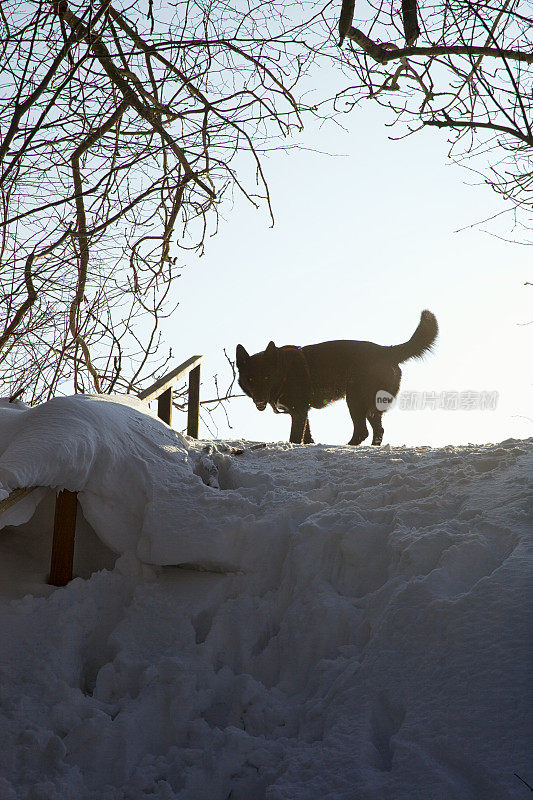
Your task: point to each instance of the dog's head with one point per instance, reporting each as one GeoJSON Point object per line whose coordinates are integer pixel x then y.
{"type": "Point", "coordinates": [258, 374]}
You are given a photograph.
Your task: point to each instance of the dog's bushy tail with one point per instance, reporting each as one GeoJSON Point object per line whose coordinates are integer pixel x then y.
{"type": "Point", "coordinates": [420, 342]}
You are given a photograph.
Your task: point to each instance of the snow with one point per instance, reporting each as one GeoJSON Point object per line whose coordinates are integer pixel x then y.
{"type": "Point", "coordinates": [287, 622]}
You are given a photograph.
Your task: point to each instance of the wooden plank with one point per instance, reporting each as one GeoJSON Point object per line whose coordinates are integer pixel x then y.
{"type": "Point", "coordinates": [14, 497]}
{"type": "Point", "coordinates": [167, 381]}
{"type": "Point", "coordinates": [62, 560]}
{"type": "Point", "coordinates": [164, 406]}
{"type": "Point", "coordinates": [193, 407]}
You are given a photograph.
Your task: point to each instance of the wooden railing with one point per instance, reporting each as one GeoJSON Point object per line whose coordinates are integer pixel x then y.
{"type": "Point", "coordinates": [62, 558]}
{"type": "Point", "coordinates": [162, 391]}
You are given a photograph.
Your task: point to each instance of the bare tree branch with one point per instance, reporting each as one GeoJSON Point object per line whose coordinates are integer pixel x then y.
{"type": "Point", "coordinates": [468, 74]}
{"type": "Point", "coordinates": [122, 130]}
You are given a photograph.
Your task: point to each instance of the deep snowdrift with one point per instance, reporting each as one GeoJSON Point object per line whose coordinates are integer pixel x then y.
{"type": "Point", "coordinates": [364, 635]}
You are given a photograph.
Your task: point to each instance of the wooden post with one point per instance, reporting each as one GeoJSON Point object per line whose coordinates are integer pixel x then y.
{"type": "Point", "coordinates": [193, 409]}
{"type": "Point", "coordinates": [164, 406]}
{"type": "Point", "coordinates": [63, 543]}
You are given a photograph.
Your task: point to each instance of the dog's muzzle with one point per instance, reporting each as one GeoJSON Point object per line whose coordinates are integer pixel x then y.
{"type": "Point", "coordinates": [260, 405]}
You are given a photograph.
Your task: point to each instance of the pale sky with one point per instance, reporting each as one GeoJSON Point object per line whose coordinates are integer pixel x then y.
{"type": "Point", "coordinates": [362, 243]}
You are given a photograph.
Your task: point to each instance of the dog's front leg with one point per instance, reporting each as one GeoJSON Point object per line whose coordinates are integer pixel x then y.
{"type": "Point", "coordinates": [298, 426]}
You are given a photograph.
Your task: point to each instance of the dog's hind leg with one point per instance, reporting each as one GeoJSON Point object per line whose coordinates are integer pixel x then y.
{"type": "Point", "coordinates": [374, 417]}
{"type": "Point", "coordinates": [358, 414]}
{"type": "Point", "coordinates": [308, 439]}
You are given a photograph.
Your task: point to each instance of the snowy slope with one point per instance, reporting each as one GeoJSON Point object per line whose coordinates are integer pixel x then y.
{"type": "Point", "coordinates": [362, 632]}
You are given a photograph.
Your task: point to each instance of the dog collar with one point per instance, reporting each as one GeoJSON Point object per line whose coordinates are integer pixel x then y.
{"type": "Point", "coordinates": [274, 403]}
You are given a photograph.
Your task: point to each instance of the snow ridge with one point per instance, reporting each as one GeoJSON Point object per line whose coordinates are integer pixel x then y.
{"type": "Point", "coordinates": [344, 623]}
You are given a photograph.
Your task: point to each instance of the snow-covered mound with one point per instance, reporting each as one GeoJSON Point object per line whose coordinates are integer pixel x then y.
{"type": "Point", "coordinates": [364, 635]}
{"type": "Point", "coordinates": [140, 488]}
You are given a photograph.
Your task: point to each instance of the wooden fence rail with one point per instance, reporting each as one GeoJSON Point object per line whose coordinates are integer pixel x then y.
{"type": "Point", "coordinates": [162, 391]}
{"type": "Point", "coordinates": [62, 558]}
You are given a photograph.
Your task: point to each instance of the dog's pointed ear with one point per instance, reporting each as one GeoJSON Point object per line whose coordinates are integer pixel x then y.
{"type": "Point", "coordinates": [271, 349]}
{"type": "Point", "coordinates": [242, 356]}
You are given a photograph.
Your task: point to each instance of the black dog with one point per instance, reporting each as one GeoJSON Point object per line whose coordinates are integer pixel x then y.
{"type": "Point", "coordinates": [294, 379]}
